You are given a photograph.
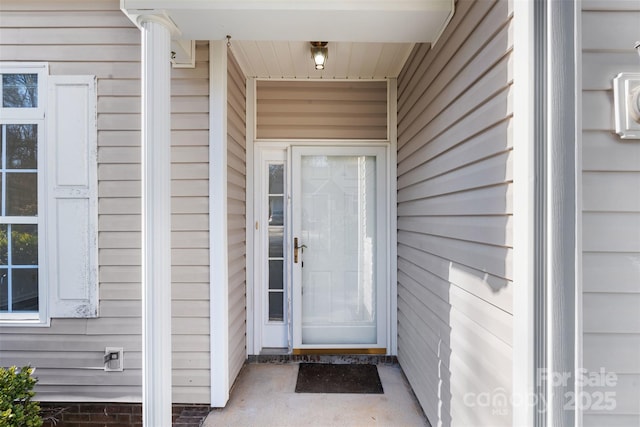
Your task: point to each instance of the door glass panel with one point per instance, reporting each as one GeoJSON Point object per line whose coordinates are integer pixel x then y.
{"type": "Point", "coordinates": [276, 210]}
{"type": "Point", "coordinates": [338, 227]}
{"type": "Point", "coordinates": [275, 243]}
{"type": "Point", "coordinates": [276, 309]}
{"type": "Point", "coordinates": [276, 269]}
{"type": "Point", "coordinates": [275, 263]}
{"type": "Point", "coordinates": [276, 179]}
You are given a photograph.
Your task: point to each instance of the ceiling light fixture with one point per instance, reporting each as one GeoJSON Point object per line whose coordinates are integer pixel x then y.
{"type": "Point", "coordinates": [319, 53]}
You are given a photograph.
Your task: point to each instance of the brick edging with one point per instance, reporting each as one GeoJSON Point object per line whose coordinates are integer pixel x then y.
{"type": "Point", "coordinates": [81, 414]}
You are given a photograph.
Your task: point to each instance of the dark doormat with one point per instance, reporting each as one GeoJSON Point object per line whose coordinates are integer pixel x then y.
{"type": "Point", "coordinates": [338, 378]}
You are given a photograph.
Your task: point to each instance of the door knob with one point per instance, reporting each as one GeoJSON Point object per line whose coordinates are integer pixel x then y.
{"type": "Point", "coordinates": [295, 249]}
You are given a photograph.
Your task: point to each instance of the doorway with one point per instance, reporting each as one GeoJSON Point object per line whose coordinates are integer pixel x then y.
{"type": "Point", "coordinates": [321, 248]}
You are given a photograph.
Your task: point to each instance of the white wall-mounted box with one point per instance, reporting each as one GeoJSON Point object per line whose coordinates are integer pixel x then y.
{"type": "Point", "coordinates": [626, 96]}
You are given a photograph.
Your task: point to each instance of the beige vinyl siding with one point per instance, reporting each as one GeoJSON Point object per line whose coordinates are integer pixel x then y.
{"type": "Point", "coordinates": [68, 355]}
{"type": "Point", "coordinates": [455, 217]}
{"type": "Point", "coordinates": [190, 230]}
{"type": "Point", "coordinates": [78, 37]}
{"type": "Point", "coordinates": [610, 213]}
{"type": "Point", "coordinates": [321, 110]}
{"type": "Point", "coordinates": [236, 205]}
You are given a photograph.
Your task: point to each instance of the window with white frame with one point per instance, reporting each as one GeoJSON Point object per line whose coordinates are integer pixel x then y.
{"type": "Point", "coordinates": [21, 181]}
{"type": "Point", "coordinates": [48, 195]}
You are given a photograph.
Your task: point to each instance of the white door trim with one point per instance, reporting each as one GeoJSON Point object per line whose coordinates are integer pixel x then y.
{"type": "Point", "coordinates": [254, 340]}
{"type": "Point", "coordinates": [392, 173]}
{"type": "Point", "coordinates": [523, 213]}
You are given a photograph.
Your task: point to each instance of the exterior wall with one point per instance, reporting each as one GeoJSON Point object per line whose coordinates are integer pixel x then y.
{"type": "Point", "coordinates": [190, 230]}
{"type": "Point", "coordinates": [455, 218]}
{"type": "Point", "coordinates": [610, 213]}
{"type": "Point", "coordinates": [321, 110]}
{"type": "Point", "coordinates": [236, 210]}
{"type": "Point", "coordinates": [95, 38]}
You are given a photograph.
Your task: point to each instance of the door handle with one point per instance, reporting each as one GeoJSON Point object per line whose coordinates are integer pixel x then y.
{"type": "Point", "coordinates": [295, 249]}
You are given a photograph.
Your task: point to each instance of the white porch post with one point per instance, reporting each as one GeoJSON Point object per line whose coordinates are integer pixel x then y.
{"type": "Point", "coordinates": [218, 224]}
{"type": "Point", "coordinates": [156, 220]}
{"type": "Point", "coordinates": [561, 207]}
{"type": "Point", "coordinates": [545, 237]}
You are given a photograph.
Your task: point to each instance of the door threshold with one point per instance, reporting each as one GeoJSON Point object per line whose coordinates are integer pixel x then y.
{"type": "Point", "coordinates": [274, 351]}
{"type": "Point", "coordinates": [374, 359]}
{"type": "Point", "coordinates": [303, 351]}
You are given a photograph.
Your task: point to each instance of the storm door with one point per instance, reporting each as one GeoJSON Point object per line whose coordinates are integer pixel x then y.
{"type": "Point", "coordinates": [322, 239]}
{"type": "Point", "coordinates": [339, 248]}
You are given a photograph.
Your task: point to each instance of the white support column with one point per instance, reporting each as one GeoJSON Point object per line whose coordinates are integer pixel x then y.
{"type": "Point", "coordinates": [561, 207]}
{"type": "Point", "coordinates": [218, 224]}
{"type": "Point", "coordinates": [156, 220]}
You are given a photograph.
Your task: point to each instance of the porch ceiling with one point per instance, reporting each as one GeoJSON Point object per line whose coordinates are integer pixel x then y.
{"type": "Point", "coordinates": [352, 60]}
{"type": "Point", "coordinates": [367, 38]}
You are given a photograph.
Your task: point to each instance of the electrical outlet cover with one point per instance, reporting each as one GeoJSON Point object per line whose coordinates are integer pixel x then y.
{"type": "Point", "coordinates": [114, 364]}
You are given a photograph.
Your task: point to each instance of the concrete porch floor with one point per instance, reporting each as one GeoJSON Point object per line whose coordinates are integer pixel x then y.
{"type": "Point", "coordinates": [264, 396]}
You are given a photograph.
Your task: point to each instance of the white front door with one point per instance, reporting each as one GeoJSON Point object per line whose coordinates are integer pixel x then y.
{"type": "Point", "coordinates": [322, 258]}
{"type": "Point", "coordinates": [339, 227]}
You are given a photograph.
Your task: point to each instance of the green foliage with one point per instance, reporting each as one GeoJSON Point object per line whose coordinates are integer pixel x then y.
{"type": "Point", "coordinates": [16, 391]}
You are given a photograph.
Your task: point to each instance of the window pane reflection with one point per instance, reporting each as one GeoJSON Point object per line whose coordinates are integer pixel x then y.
{"type": "Point", "coordinates": [25, 289]}
{"type": "Point", "coordinates": [24, 244]}
{"type": "Point", "coordinates": [19, 198]}
{"type": "Point", "coordinates": [4, 241]}
{"type": "Point", "coordinates": [19, 90]}
{"type": "Point", "coordinates": [4, 289]}
{"type": "Point", "coordinates": [22, 194]}
{"type": "Point", "coordinates": [22, 147]}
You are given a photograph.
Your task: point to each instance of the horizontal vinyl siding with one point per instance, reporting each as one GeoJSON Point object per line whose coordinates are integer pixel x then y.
{"type": "Point", "coordinates": [77, 37]}
{"type": "Point", "coordinates": [610, 214]}
{"type": "Point", "coordinates": [321, 110]}
{"type": "Point", "coordinates": [80, 37]}
{"type": "Point", "coordinates": [190, 230]}
{"type": "Point", "coordinates": [236, 204]}
{"type": "Point", "coordinates": [455, 217]}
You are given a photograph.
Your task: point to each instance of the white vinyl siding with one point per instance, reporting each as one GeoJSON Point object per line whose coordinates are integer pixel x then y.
{"type": "Point", "coordinates": [321, 110]}
{"type": "Point", "coordinates": [455, 218]}
{"type": "Point", "coordinates": [610, 213]}
{"type": "Point", "coordinates": [236, 211]}
{"type": "Point", "coordinates": [95, 38]}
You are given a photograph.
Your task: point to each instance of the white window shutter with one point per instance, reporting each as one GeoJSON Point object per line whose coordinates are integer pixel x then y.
{"type": "Point", "coordinates": [71, 221]}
